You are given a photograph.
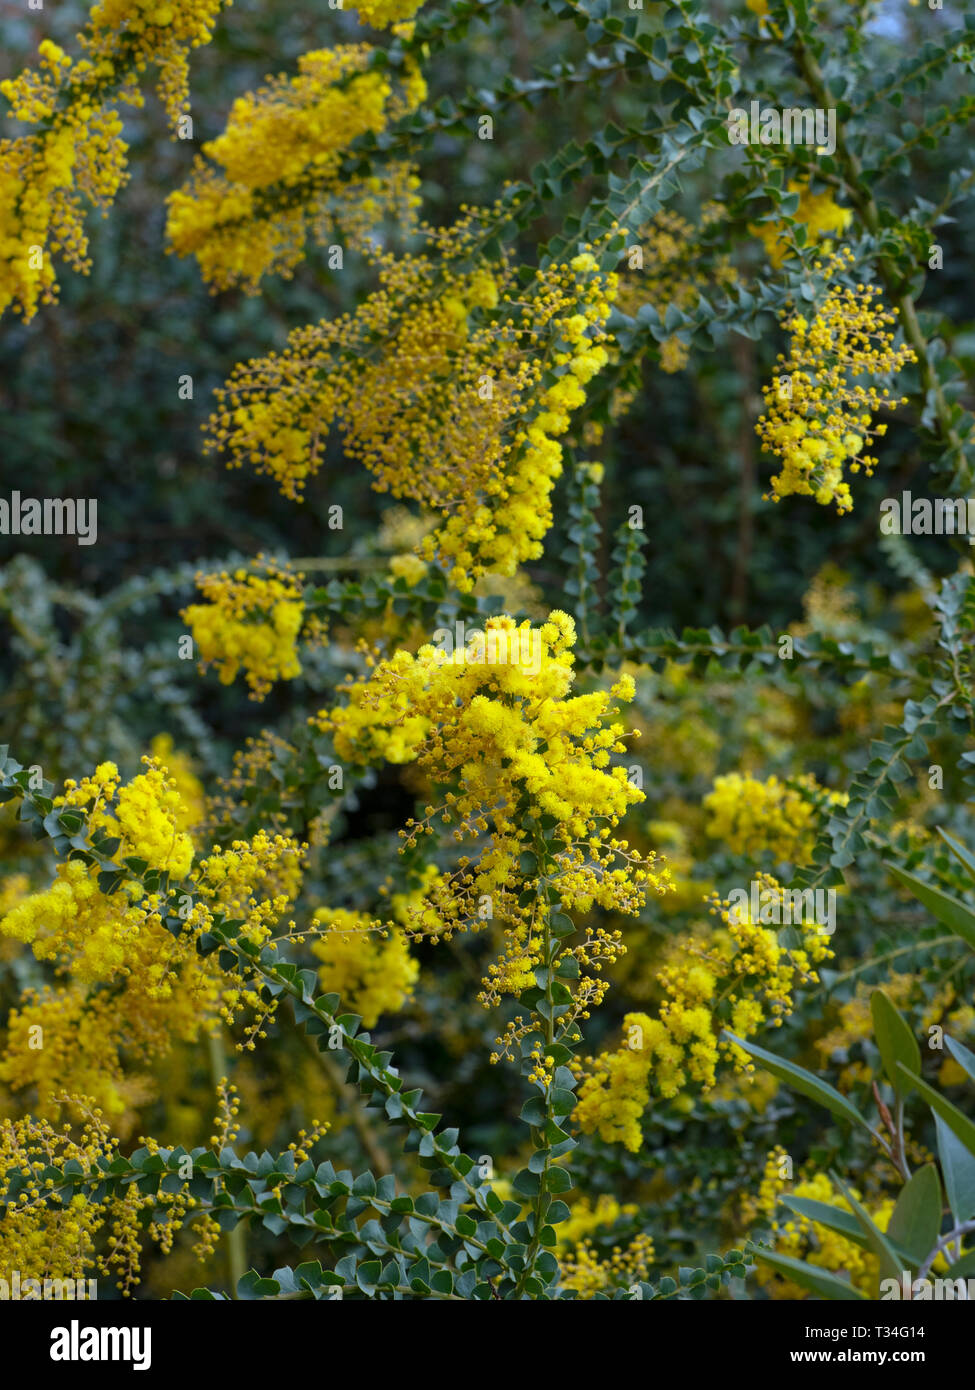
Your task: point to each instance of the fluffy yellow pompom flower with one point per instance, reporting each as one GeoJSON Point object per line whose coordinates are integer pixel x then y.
{"type": "Point", "coordinates": [250, 622]}
{"type": "Point", "coordinates": [817, 212]}
{"type": "Point", "coordinates": [381, 14]}
{"type": "Point", "coordinates": [743, 963]}
{"type": "Point", "coordinates": [125, 983]}
{"type": "Point", "coordinates": [750, 816]}
{"type": "Point", "coordinates": [365, 962]}
{"type": "Point", "coordinates": [148, 813]}
{"type": "Point", "coordinates": [801, 1238]}
{"type": "Point", "coordinates": [77, 157]}
{"type": "Point", "coordinates": [190, 812]}
{"type": "Point", "coordinates": [497, 723]}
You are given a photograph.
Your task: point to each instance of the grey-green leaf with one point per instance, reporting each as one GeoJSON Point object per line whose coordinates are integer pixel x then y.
{"type": "Point", "coordinates": [834, 1218]}
{"type": "Point", "coordinates": [818, 1281]}
{"type": "Point", "coordinates": [955, 915]}
{"type": "Point", "coordinates": [962, 1055]}
{"type": "Point", "coordinates": [963, 855]}
{"type": "Point", "coordinates": [891, 1265]}
{"type": "Point", "coordinates": [958, 1169]}
{"type": "Point", "coordinates": [958, 1123]}
{"type": "Point", "coordinates": [803, 1081]}
{"type": "Point", "coordinates": [915, 1222]}
{"type": "Point", "coordinates": [894, 1038]}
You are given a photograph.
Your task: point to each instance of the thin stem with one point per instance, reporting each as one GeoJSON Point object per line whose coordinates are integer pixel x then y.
{"type": "Point", "coordinates": [542, 1199]}
{"type": "Point", "coordinates": [236, 1247]}
{"type": "Point", "coordinates": [378, 1159]}
{"type": "Point", "coordinates": [942, 1244]}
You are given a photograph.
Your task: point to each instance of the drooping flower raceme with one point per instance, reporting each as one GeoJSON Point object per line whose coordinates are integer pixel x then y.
{"type": "Point", "coordinates": [451, 384]}
{"type": "Point", "coordinates": [818, 410]}
{"type": "Point", "coordinates": [274, 176]}
{"type": "Point", "coordinates": [76, 156]}
{"type": "Point", "coordinates": [127, 976]}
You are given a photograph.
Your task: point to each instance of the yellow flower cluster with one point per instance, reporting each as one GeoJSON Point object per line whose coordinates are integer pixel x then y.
{"type": "Point", "coordinates": [807, 1240]}
{"type": "Point", "coordinates": [41, 1235]}
{"type": "Point", "coordinates": [46, 178]}
{"type": "Point", "coordinates": [498, 723]}
{"type": "Point", "coordinates": [582, 1268]}
{"type": "Point", "coordinates": [673, 274]}
{"type": "Point", "coordinates": [412, 907]}
{"type": "Point", "coordinates": [190, 809]}
{"type": "Point", "coordinates": [46, 1236]}
{"type": "Point", "coordinates": [147, 813]}
{"type": "Point", "coordinates": [12, 889]}
{"type": "Point", "coordinates": [274, 176]}
{"type": "Point", "coordinates": [817, 212]}
{"type": "Point", "coordinates": [368, 963]}
{"type": "Point", "coordinates": [77, 155]}
{"type": "Point", "coordinates": [124, 37]}
{"type": "Point", "coordinates": [67, 1038]}
{"type": "Point", "coordinates": [762, 975]}
{"type": "Point", "coordinates": [250, 621]}
{"type": "Point", "coordinates": [126, 980]}
{"type": "Point", "coordinates": [381, 14]}
{"type": "Point", "coordinates": [854, 1024]}
{"type": "Point", "coordinates": [73, 920]}
{"type": "Point", "coordinates": [586, 1272]}
{"type": "Point", "coordinates": [818, 409]}
{"type": "Point", "coordinates": [255, 881]}
{"type": "Point", "coordinates": [450, 385]}
{"type": "Point", "coordinates": [72, 1034]}
{"type": "Point", "coordinates": [616, 1087]}
{"type": "Point", "coordinates": [744, 972]}
{"type": "Point", "coordinates": [751, 816]}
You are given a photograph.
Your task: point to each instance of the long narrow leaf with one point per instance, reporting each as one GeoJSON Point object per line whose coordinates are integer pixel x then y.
{"type": "Point", "coordinates": [955, 915]}
{"type": "Point", "coordinates": [957, 1122]}
{"type": "Point", "coordinates": [803, 1081]}
{"type": "Point", "coordinates": [891, 1264]}
{"type": "Point", "coordinates": [820, 1281]}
